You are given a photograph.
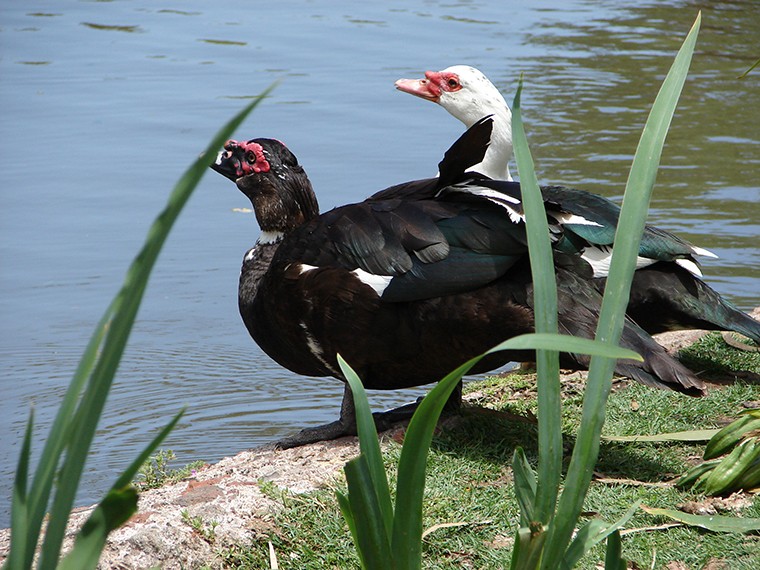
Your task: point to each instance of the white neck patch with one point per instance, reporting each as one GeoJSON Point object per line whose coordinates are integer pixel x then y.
{"type": "Point", "coordinates": [269, 237]}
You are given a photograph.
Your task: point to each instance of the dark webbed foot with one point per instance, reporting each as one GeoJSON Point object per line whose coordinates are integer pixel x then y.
{"type": "Point", "coordinates": [325, 432]}
{"type": "Point", "coordinates": [346, 425]}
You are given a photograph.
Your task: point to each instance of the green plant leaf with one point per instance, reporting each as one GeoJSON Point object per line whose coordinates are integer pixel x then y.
{"type": "Point", "coordinates": [730, 435]}
{"type": "Point", "coordinates": [696, 475]}
{"type": "Point", "coordinates": [591, 534]}
{"type": "Point", "coordinates": [724, 476]}
{"type": "Point", "coordinates": [746, 73]}
{"type": "Point", "coordinates": [348, 515]}
{"type": "Point", "coordinates": [613, 559]}
{"type": "Point", "coordinates": [525, 487]}
{"type": "Point", "coordinates": [372, 541]}
{"type": "Point", "coordinates": [617, 292]}
{"type": "Point", "coordinates": [20, 504]}
{"type": "Point", "coordinates": [545, 303]}
{"type": "Point", "coordinates": [689, 435]}
{"type": "Point", "coordinates": [369, 445]}
{"type": "Point", "coordinates": [749, 480]}
{"type": "Point", "coordinates": [529, 544]}
{"type": "Point", "coordinates": [39, 493]}
{"type": "Point", "coordinates": [714, 523]}
{"type": "Point", "coordinates": [565, 343]}
{"type": "Point", "coordinates": [112, 512]}
{"type": "Point", "coordinates": [407, 521]}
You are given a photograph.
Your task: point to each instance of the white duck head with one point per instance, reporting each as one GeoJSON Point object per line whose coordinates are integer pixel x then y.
{"type": "Point", "coordinates": [469, 95]}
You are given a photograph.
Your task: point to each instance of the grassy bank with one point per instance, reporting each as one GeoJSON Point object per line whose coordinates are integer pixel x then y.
{"type": "Point", "coordinates": [470, 482]}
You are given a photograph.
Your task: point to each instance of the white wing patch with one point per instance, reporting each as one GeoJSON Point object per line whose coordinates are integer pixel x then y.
{"type": "Point", "coordinates": [567, 218]}
{"type": "Point", "coordinates": [599, 258]}
{"type": "Point", "coordinates": [703, 252]}
{"type": "Point", "coordinates": [507, 202]}
{"type": "Point", "coordinates": [305, 268]}
{"type": "Point", "coordinates": [377, 282]}
{"type": "Point", "coordinates": [690, 266]}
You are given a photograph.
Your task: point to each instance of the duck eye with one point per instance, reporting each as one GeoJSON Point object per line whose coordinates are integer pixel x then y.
{"type": "Point", "coordinates": [453, 83]}
{"type": "Point", "coordinates": [250, 156]}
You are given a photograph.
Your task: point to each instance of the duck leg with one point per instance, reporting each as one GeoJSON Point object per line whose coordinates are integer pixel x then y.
{"type": "Point", "coordinates": [346, 425]}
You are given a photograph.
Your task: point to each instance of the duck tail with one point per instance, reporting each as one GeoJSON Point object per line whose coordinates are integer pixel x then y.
{"type": "Point", "coordinates": [579, 311]}
{"type": "Point", "coordinates": [659, 369]}
{"type": "Point", "coordinates": [671, 298]}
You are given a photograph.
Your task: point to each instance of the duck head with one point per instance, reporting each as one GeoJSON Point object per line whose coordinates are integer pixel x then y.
{"type": "Point", "coordinates": [467, 94]}
{"type": "Point", "coordinates": [268, 173]}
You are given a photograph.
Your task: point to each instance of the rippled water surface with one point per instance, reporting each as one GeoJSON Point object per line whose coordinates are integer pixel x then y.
{"type": "Point", "coordinates": [104, 104]}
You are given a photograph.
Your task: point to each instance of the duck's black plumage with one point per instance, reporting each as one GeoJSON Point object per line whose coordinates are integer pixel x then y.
{"type": "Point", "coordinates": [666, 292]}
{"type": "Point", "coordinates": [406, 285]}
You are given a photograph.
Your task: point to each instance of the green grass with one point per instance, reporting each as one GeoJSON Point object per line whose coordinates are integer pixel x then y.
{"type": "Point", "coordinates": [469, 480]}
{"type": "Point", "coordinates": [713, 356]}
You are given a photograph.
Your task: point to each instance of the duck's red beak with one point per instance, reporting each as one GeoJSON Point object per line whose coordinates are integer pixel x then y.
{"type": "Point", "coordinates": [423, 88]}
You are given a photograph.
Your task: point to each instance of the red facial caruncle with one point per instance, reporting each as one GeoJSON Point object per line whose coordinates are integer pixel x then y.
{"type": "Point", "coordinates": [252, 156]}
{"type": "Point", "coordinates": [443, 81]}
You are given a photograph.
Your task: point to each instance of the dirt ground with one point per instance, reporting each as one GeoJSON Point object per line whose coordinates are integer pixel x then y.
{"type": "Point", "coordinates": [229, 492]}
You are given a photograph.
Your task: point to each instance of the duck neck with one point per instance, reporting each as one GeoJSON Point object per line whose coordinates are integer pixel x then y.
{"type": "Point", "coordinates": [495, 163]}
{"type": "Point", "coordinates": [281, 204]}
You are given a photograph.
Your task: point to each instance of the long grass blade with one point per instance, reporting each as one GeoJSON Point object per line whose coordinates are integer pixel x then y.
{"type": "Point", "coordinates": [348, 515]}
{"type": "Point", "coordinates": [545, 314]}
{"type": "Point", "coordinates": [689, 435]}
{"type": "Point", "coordinates": [372, 541]}
{"type": "Point", "coordinates": [591, 534]}
{"type": "Point", "coordinates": [613, 559]}
{"type": "Point", "coordinates": [39, 493]}
{"type": "Point", "coordinates": [627, 237]}
{"type": "Point", "coordinates": [525, 487]}
{"type": "Point", "coordinates": [20, 504]}
{"type": "Point", "coordinates": [106, 347]}
{"type": "Point", "coordinates": [369, 444]}
{"type": "Point", "coordinates": [714, 523]}
{"type": "Point", "coordinates": [565, 343]}
{"type": "Point", "coordinates": [112, 512]}
{"type": "Point", "coordinates": [407, 520]}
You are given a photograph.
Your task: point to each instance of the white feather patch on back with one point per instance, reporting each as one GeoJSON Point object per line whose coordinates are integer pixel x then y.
{"type": "Point", "coordinates": [703, 252]}
{"type": "Point", "coordinates": [503, 200]}
{"type": "Point", "coordinates": [377, 282]}
{"type": "Point", "coordinates": [690, 266]}
{"type": "Point", "coordinates": [492, 195]}
{"type": "Point", "coordinates": [567, 218]}
{"type": "Point", "coordinates": [599, 258]}
{"type": "Point", "coordinates": [305, 267]}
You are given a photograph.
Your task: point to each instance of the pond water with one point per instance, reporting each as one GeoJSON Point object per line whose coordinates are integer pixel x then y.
{"type": "Point", "coordinates": [104, 104]}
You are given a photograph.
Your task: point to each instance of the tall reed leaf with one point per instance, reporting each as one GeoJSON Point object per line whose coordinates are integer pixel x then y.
{"type": "Point", "coordinates": [627, 237]}
{"type": "Point", "coordinates": [545, 315]}
{"type": "Point", "coordinates": [119, 504]}
{"type": "Point", "coordinates": [369, 445]}
{"type": "Point", "coordinates": [410, 487]}
{"type": "Point", "coordinates": [77, 418]}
